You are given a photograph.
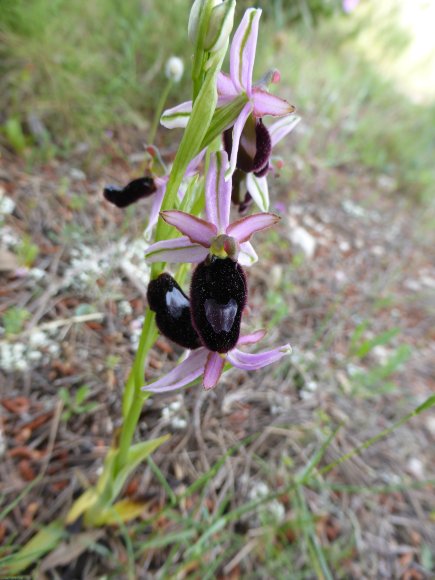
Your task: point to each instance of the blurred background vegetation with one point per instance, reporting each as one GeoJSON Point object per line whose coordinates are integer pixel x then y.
{"type": "Point", "coordinates": [70, 70]}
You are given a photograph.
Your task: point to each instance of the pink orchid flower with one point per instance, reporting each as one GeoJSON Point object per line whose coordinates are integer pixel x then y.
{"type": "Point", "coordinates": [256, 185]}
{"type": "Point", "coordinates": [214, 235]}
{"type": "Point", "coordinates": [211, 364]}
{"type": "Point", "coordinates": [260, 101]}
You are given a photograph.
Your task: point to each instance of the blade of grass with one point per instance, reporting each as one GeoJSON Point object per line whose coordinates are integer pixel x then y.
{"type": "Point", "coordinates": [317, 557]}
{"type": "Point", "coordinates": [163, 481]}
{"type": "Point", "coordinates": [430, 402]}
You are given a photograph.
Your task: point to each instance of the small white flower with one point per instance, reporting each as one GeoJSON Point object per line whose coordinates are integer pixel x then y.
{"type": "Point", "coordinates": [38, 338]}
{"type": "Point", "coordinates": [34, 355]}
{"type": "Point", "coordinates": [37, 273]}
{"type": "Point", "coordinates": [258, 490]}
{"type": "Point", "coordinates": [174, 69]}
{"type": "Point", "coordinates": [276, 510]}
{"type": "Point", "coordinates": [178, 423]}
{"type": "Point", "coordinates": [124, 308]}
{"type": "Point", "coordinates": [7, 205]}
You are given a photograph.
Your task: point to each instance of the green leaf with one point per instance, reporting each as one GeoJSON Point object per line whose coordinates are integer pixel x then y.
{"type": "Point", "coordinates": [136, 455]}
{"type": "Point", "coordinates": [14, 319]}
{"type": "Point", "coordinates": [13, 132]}
{"type": "Point", "coordinates": [160, 541]}
{"type": "Point", "coordinates": [430, 402]}
{"type": "Point", "coordinates": [82, 394]}
{"type": "Point", "coordinates": [88, 408]}
{"type": "Point", "coordinates": [45, 540]}
{"type": "Point", "coordinates": [82, 503]}
{"type": "Point", "coordinates": [64, 395]}
{"type": "Point", "coordinates": [223, 118]}
{"type": "Point", "coordinates": [381, 339]}
{"type": "Point", "coordinates": [122, 511]}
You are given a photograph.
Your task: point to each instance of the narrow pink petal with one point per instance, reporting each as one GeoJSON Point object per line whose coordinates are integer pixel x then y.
{"type": "Point", "coordinates": [259, 190]}
{"type": "Point", "coordinates": [237, 131]}
{"type": "Point", "coordinates": [253, 362]}
{"type": "Point", "coordinates": [252, 338]}
{"type": "Point", "coordinates": [176, 116]}
{"type": "Point", "coordinates": [197, 230]}
{"type": "Point", "coordinates": [243, 46]}
{"type": "Point", "coordinates": [267, 104]}
{"type": "Point", "coordinates": [225, 86]}
{"type": "Point", "coordinates": [223, 101]}
{"type": "Point", "coordinates": [282, 127]}
{"type": "Point", "coordinates": [155, 209]}
{"type": "Point", "coordinates": [182, 375]}
{"type": "Point", "coordinates": [247, 255]}
{"type": "Point", "coordinates": [218, 192]}
{"type": "Point", "coordinates": [243, 228]}
{"type": "Point", "coordinates": [213, 370]}
{"type": "Point", "coordinates": [176, 251]}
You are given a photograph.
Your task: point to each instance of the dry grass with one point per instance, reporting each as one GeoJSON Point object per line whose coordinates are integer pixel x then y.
{"type": "Point", "coordinates": [371, 515]}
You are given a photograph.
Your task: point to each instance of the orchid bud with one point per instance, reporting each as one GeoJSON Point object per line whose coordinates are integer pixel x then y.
{"type": "Point", "coordinates": [192, 27]}
{"type": "Point", "coordinates": [132, 192]}
{"type": "Point", "coordinates": [220, 25]}
{"type": "Point", "coordinates": [172, 308]}
{"type": "Point", "coordinates": [174, 69]}
{"type": "Point", "coordinates": [218, 295]}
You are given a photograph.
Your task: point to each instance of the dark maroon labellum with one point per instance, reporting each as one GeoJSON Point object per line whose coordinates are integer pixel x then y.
{"type": "Point", "coordinates": [132, 192]}
{"type": "Point", "coordinates": [172, 308]}
{"type": "Point", "coordinates": [218, 296]}
{"type": "Point", "coordinates": [255, 147]}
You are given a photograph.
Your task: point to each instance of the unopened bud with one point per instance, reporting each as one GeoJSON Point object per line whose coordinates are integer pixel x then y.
{"type": "Point", "coordinates": [192, 27]}
{"type": "Point", "coordinates": [220, 25]}
{"type": "Point", "coordinates": [272, 77]}
{"type": "Point", "coordinates": [174, 69]}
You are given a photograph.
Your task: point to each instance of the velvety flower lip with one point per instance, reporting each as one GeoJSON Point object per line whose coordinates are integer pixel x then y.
{"type": "Point", "coordinates": [218, 295]}
{"type": "Point", "coordinates": [172, 308]}
{"type": "Point", "coordinates": [210, 364]}
{"type": "Point", "coordinates": [204, 236]}
{"type": "Point", "coordinates": [132, 192]}
{"type": "Point", "coordinates": [260, 102]}
{"type": "Point", "coordinates": [145, 187]}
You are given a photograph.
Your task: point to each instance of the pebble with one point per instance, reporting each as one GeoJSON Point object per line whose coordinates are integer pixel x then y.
{"type": "Point", "coordinates": [301, 238]}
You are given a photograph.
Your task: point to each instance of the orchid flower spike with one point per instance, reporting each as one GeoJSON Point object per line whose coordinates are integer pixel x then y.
{"type": "Point", "coordinates": [259, 101]}
{"type": "Point", "coordinates": [210, 364]}
{"type": "Point", "coordinates": [214, 236]}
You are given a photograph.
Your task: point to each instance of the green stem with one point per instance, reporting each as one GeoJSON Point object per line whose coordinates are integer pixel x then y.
{"type": "Point", "coordinates": [159, 111]}
{"type": "Point", "coordinates": [133, 397]}
{"type": "Point", "coordinates": [136, 376]}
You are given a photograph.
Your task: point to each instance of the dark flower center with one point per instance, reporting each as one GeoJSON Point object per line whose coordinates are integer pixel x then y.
{"type": "Point", "coordinates": [218, 296]}
{"type": "Point", "coordinates": [172, 308]}
{"type": "Point", "coordinates": [132, 192]}
{"type": "Point", "coordinates": [255, 147]}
